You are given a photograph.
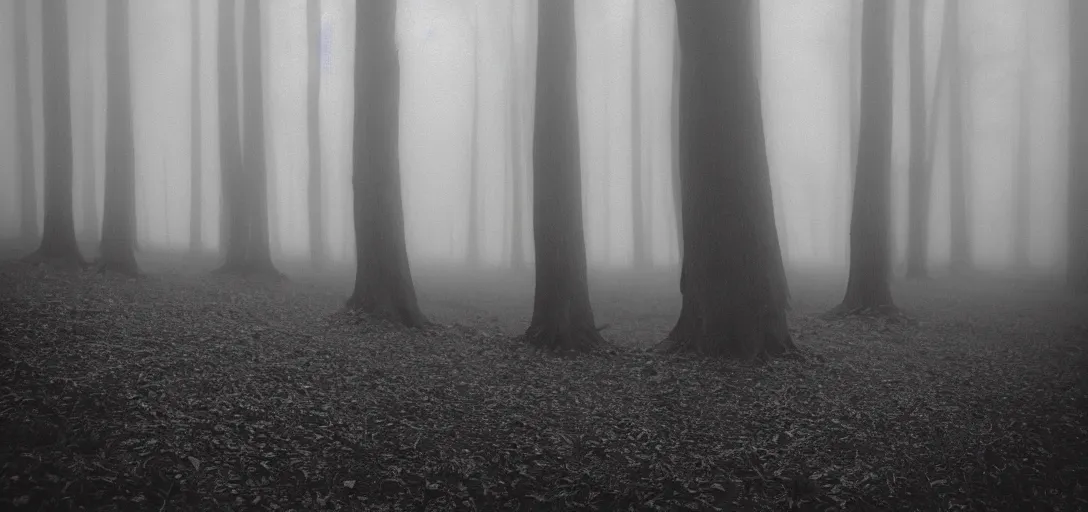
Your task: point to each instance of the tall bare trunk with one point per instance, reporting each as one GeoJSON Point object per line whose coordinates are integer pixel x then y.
{"type": "Point", "coordinates": [638, 217]}
{"type": "Point", "coordinates": [119, 220]}
{"type": "Point", "coordinates": [314, 198]}
{"type": "Point", "coordinates": [196, 184]}
{"type": "Point", "coordinates": [517, 132]}
{"type": "Point", "coordinates": [232, 208]}
{"type": "Point", "coordinates": [960, 235]}
{"type": "Point", "coordinates": [919, 178]}
{"type": "Point", "coordinates": [1077, 221]}
{"type": "Point", "coordinates": [473, 238]}
{"type": "Point", "coordinates": [28, 186]}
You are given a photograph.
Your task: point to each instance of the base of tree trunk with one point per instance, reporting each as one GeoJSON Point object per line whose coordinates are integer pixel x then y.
{"type": "Point", "coordinates": [763, 347]}
{"type": "Point", "coordinates": [388, 312]}
{"type": "Point", "coordinates": [68, 261]}
{"type": "Point", "coordinates": [886, 311]}
{"type": "Point", "coordinates": [568, 338]}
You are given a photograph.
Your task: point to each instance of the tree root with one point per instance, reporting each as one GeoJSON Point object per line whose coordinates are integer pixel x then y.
{"type": "Point", "coordinates": [566, 339]}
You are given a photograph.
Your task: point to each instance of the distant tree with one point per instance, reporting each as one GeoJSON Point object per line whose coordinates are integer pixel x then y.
{"type": "Point", "coordinates": [677, 156]}
{"type": "Point", "coordinates": [383, 278]}
{"type": "Point", "coordinates": [196, 242]}
{"type": "Point", "coordinates": [89, 191]}
{"type": "Point", "coordinates": [1077, 222]}
{"type": "Point", "coordinates": [58, 237]}
{"type": "Point", "coordinates": [868, 289]}
{"type": "Point", "coordinates": [28, 187]}
{"type": "Point", "coordinates": [517, 171]}
{"type": "Point", "coordinates": [562, 314]}
{"type": "Point", "coordinates": [119, 220]}
{"type": "Point", "coordinates": [1022, 190]}
{"type": "Point", "coordinates": [919, 177]}
{"type": "Point", "coordinates": [734, 302]}
{"type": "Point", "coordinates": [231, 224]}
{"type": "Point", "coordinates": [957, 173]}
{"type": "Point", "coordinates": [640, 237]}
{"type": "Point", "coordinates": [318, 252]}
{"type": "Point", "coordinates": [473, 239]}
{"type": "Point", "coordinates": [258, 255]}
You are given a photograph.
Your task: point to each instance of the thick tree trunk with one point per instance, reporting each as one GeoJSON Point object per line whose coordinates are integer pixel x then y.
{"type": "Point", "coordinates": [58, 236]}
{"type": "Point", "coordinates": [1021, 237]}
{"type": "Point", "coordinates": [639, 238]}
{"type": "Point", "coordinates": [562, 314]}
{"type": "Point", "coordinates": [734, 303]}
{"type": "Point", "coordinates": [960, 236]}
{"type": "Point", "coordinates": [517, 233]}
{"type": "Point", "coordinates": [383, 278]}
{"type": "Point", "coordinates": [313, 93]}
{"type": "Point", "coordinates": [28, 186]}
{"type": "Point", "coordinates": [196, 217]}
{"type": "Point", "coordinates": [254, 158]}
{"type": "Point", "coordinates": [868, 288]}
{"type": "Point", "coordinates": [119, 220]}
{"type": "Point", "coordinates": [1077, 222]}
{"type": "Point", "coordinates": [233, 207]}
{"type": "Point", "coordinates": [919, 179]}
{"type": "Point", "coordinates": [473, 238]}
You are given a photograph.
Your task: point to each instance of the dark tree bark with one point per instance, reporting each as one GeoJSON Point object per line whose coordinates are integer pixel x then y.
{"type": "Point", "coordinates": [1077, 222]}
{"type": "Point", "coordinates": [28, 187]}
{"type": "Point", "coordinates": [119, 220]}
{"type": "Point", "coordinates": [58, 237]}
{"type": "Point", "coordinates": [961, 238]}
{"type": "Point", "coordinates": [473, 239]}
{"type": "Point", "coordinates": [313, 90]}
{"type": "Point", "coordinates": [383, 278]}
{"type": "Point", "coordinates": [517, 233]}
{"type": "Point", "coordinates": [254, 159]}
{"type": "Point", "coordinates": [196, 217]}
{"type": "Point", "coordinates": [868, 289]}
{"type": "Point", "coordinates": [562, 314]}
{"type": "Point", "coordinates": [919, 177]}
{"type": "Point", "coordinates": [734, 303]}
{"type": "Point", "coordinates": [1021, 238]}
{"type": "Point", "coordinates": [638, 217]}
{"type": "Point", "coordinates": [232, 227]}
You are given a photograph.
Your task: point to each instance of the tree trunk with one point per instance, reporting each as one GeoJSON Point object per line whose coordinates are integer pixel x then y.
{"type": "Point", "coordinates": [28, 186]}
{"type": "Point", "coordinates": [1077, 222]}
{"type": "Point", "coordinates": [919, 178]}
{"type": "Point", "coordinates": [254, 158]}
{"type": "Point", "coordinates": [383, 278]}
{"type": "Point", "coordinates": [313, 91]}
{"type": "Point", "coordinates": [960, 236]}
{"type": "Point", "coordinates": [677, 156]}
{"type": "Point", "coordinates": [734, 304]}
{"type": "Point", "coordinates": [853, 117]}
{"type": "Point", "coordinates": [868, 288]}
{"type": "Point", "coordinates": [1022, 191]}
{"type": "Point", "coordinates": [233, 206]}
{"type": "Point", "coordinates": [90, 181]}
{"type": "Point", "coordinates": [473, 238]}
{"type": "Point", "coordinates": [517, 233]}
{"type": "Point", "coordinates": [196, 218]}
{"type": "Point", "coordinates": [562, 314]}
{"type": "Point", "coordinates": [641, 257]}
{"type": "Point", "coordinates": [119, 220]}
{"type": "Point", "coordinates": [58, 236]}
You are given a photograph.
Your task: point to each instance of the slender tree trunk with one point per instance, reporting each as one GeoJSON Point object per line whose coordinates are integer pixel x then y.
{"type": "Point", "coordinates": [919, 179]}
{"type": "Point", "coordinates": [119, 220]}
{"type": "Point", "coordinates": [58, 236]}
{"type": "Point", "coordinates": [961, 241]}
{"type": "Point", "coordinates": [1022, 198]}
{"type": "Point", "coordinates": [28, 186]}
{"type": "Point", "coordinates": [1077, 221]}
{"type": "Point", "coordinates": [196, 187]}
{"type": "Point", "coordinates": [562, 314]}
{"type": "Point", "coordinates": [677, 154]}
{"type": "Point", "coordinates": [383, 279]}
{"type": "Point", "coordinates": [90, 180]}
{"type": "Point", "coordinates": [254, 157]}
{"type": "Point", "coordinates": [854, 119]}
{"type": "Point", "coordinates": [517, 250]}
{"type": "Point", "coordinates": [638, 217]}
{"type": "Point", "coordinates": [313, 90]}
{"type": "Point", "coordinates": [233, 208]}
{"type": "Point", "coordinates": [473, 239]}
{"type": "Point", "coordinates": [734, 303]}
{"type": "Point", "coordinates": [868, 288]}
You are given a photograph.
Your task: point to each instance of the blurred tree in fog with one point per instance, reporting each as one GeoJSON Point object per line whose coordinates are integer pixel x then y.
{"type": "Point", "coordinates": [640, 221]}
{"type": "Point", "coordinates": [958, 166]}
{"type": "Point", "coordinates": [383, 278]}
{"type": "Point", "coordinates": [473, 235]}
{"type": "Point", "coordinates": [1021, 238]}
{"type": "Point", "coordinates": [230, 147]}
{"type": "Point", "coordinates": [919, 173]}
{"type": "Point", "coordinates": [562, 314]}
{"type": "Point", "coordinates": [196, 235]}
{"type": "Point", "coordinates": [119, 219]}
{"type": "Point", "coordinates": [28, 191]}
{"type": "Point", "coordinates": [733, 285]}
{"type": "Point", "coordinates": [1078, 147]}
{"type": "Point", "coordinates": [313, 111]}
{"type": "Point", "coordinates": [58, 235]}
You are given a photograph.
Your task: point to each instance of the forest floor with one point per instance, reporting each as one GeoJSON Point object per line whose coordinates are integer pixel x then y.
{"type": "Point", "coordinates": [183, 390]}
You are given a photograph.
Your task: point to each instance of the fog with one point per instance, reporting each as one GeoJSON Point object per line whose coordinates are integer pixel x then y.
{"type": "Point", "coordinates": [805, 93]}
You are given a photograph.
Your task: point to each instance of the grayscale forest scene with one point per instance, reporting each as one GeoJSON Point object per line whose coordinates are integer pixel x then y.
{"type": "Point", "coordinates": [569, 255]}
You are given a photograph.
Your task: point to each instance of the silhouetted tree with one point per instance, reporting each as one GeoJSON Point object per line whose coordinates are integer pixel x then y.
{"type": "Point", "coordinates": [58, 236]}
{"type": "Point", "coordinates": [313, 91]}
{"type": "Point", "coordinates": [28, 187]}
{"type": "Point", "coordinates": [89, 191]}
{"type": "Point", "coordinates": [1021, 238]}
{"type": "Point", "coordinates": [957, 171]}
{"type": "Point", "coordinates": [258, 255]}
{"type": "Point", "coordinates": [517, 171]}
{"type": "Point", "coordinates": [1077, 222]}
{"type": "Point", "coordinates": [119, 220]}
{"type": "Point", "coordinates": [868, 288]}
{"type": "Point", "coordinates": [734, 302]}
{"type": "Point", "coordinates": [196, 242]}
{"type": "Point", "coordinates": [562, 315]}
{"type": "Point", "coordinates": [919, 177]}
{"type": "Point", "coordinates": [383, 278]}
{"type": "Point", "coordinates": [473, 239]}
{"type": "Point", "coordinates": [638, 217]}
{"type": "Point", "coordinates": [232, 227]}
